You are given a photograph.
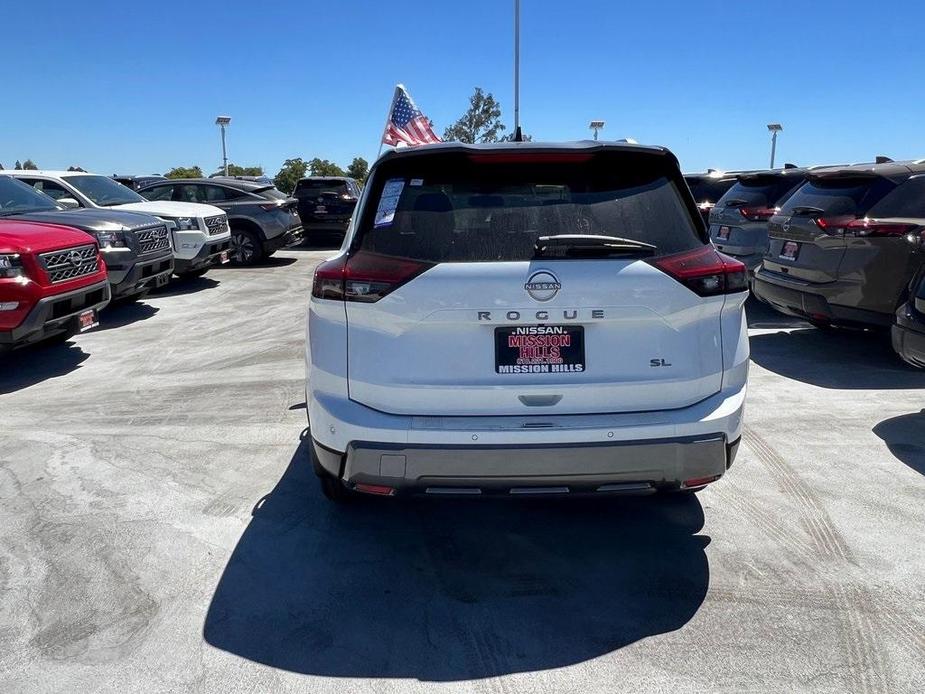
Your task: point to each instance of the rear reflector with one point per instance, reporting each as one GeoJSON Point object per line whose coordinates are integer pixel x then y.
{"type": "Point", "coordinates": [378, 489]}
{"type": "Point", "coordinates": [873, 227]}
{"type": "Point", "coordinates": [758, 214]}
{"type": "Point", "coordinates": [705, 271]}
{"type": "Point", "coordinates": [699, 482]}
{"type": "Point", "coordinates": [364, 277]}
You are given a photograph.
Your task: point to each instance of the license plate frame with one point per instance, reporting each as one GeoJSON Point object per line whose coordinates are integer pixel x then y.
{"type": "Point", "coordinates": [87, 320]}
{"type": "Point", "coordinates": [539, 349]}
{"type": "Point", "coordinates": [223, 257]}
{"type": "Point", "coordinates": [161, 280]}
{"type": "Point", "coordinates": [723, 233]}
{"type": "Point", "coordinates": [789, 251]}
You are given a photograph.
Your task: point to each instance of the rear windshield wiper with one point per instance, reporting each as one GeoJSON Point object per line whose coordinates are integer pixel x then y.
{"type": "Point", "coordinates": [807, 209]}
{"type": "Point", "coordinates": [586, 245]}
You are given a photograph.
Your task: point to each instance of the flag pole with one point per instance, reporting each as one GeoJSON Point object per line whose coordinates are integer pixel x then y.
{"type": "Point", "coordinates": [516, 66]}
{"type": "Point", "coordinates": [388, 117]}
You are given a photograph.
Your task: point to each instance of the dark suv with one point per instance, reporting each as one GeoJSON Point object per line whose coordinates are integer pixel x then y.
{"type": "Point", "coordinates": [136, 182]}
{"type": "Point", "coordinates": [909, 330]}
{"type": "Point", "coordinates": [135, 246]}
{"type": "Point", "coordinates": [739, 220]}
{"type": "Point", "coordinates": [262, 219]}
{"type": "Point", "coordinates": [326, 202]}
{"type": "Point", "coordinates": [841, 249]}
{"type": "Point", "coordinates": [707, 188]}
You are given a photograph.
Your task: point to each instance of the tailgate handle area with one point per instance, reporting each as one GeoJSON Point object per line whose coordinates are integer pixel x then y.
{"type": "Point", "coordinates": [539, 400]}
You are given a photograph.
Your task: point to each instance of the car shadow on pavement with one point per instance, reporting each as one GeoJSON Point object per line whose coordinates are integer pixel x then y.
{"type": "Point", "coordinates": [905, 437]}
{"type": "Point", "coordinates": [31, 365]}
{"type": "Point", "coordinates": [186, 285]}
{"type": "Point", "coordinates": [271, 262]}
{"type": "Point", "coordinates": [760, 316]}
{"type": "Point", "coordinates": [117, 315]}
{"type": "Point", "coordinates": [845, 360]}
{"type": "Point", "coordinates": [322, 242]}
{"type": "Point", "coordinates": [463, 590]}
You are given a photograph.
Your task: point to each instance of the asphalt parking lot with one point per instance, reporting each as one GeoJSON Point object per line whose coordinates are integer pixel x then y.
{"type": "Point", "coordinates": [161, 531]}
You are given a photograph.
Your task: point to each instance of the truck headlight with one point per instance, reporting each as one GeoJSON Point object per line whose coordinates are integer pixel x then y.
{"type": "Point", "coordinates": [110, 239]}
{"type": "Point", "coordinates": [11, 266]}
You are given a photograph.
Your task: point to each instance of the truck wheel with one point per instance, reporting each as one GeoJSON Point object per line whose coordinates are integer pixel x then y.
{"type": "Point", "coordinates": [246, 248]}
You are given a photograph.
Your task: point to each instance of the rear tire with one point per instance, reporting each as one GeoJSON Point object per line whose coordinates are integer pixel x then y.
{"type": "Point", "coordinates": [246, 248]}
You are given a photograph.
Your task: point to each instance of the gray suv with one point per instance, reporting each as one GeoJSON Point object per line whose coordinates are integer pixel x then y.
{"type": "Point", "coordinates": [135, 246]}
{"type": "Point", "coordinates": [739, 220]}
{"type": "Point", "coordinates": [843, 248]}
{"type": "Point", "coordinates": [262, 219]}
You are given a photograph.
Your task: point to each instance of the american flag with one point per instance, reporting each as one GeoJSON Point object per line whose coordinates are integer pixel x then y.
{"type": "Point", "coordinates": [406, 123]}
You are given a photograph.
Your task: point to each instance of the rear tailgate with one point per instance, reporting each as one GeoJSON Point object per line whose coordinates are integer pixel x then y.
{"type": "Point", "coordinates": [807, 239]}
{"type": "Point", "coordinates": [739, 221]}
{"type": "Point", "coordinates": [458, 316]}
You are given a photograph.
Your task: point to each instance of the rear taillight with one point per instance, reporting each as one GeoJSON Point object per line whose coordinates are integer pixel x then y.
{"type": "Point", "coordinates": [872, 227]}
{"type": "Point", "coordinates": [758, 214]}
{"type": "Point", "coordinates": [834, 225]}
{"type": "Point", "coordinates": [705, 271]}
{"type": "Point", "coordinates": [365, 277]}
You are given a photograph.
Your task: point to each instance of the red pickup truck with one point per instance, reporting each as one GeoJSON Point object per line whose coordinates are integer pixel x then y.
{"type": "Point", "coordinates": [52, 282]}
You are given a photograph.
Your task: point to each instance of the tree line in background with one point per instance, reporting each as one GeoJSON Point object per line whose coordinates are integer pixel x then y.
{"type": "Point", "coordinates": [480, 123]}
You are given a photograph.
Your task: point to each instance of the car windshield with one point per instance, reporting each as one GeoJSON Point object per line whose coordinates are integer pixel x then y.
{"type": "Point", "coordinates": [764, 191]}
{"type": "Point", "coordinates": [452, 209]}
{"type": "Point", "coordinates": [103, 191]}
{"type": "Point", "coordinates": [839, 196]}
{"type": "Point", "coordinates": [17, 197]}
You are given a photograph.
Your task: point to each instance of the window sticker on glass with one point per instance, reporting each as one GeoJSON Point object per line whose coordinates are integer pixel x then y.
{"type": "Point", "coordinates": [388, 203]}
{"type": "Point", "coordinates": [417, 181]}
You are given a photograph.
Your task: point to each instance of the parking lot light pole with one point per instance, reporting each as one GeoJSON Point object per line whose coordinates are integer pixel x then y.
{"type": "Point", "coordinates": [596, 126]}
{"type": "Point", "coordinates": [774, 128]}
{"type": "Point", "coordinates": [221, 122]}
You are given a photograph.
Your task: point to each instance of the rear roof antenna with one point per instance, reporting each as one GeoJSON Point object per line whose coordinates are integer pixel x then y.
{"type": "Point", "coordinates": [882, 160]}
{"type": "Point", "coordinates": [788, 165]}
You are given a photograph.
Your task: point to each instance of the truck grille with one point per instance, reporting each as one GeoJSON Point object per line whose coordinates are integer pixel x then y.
{"type": "Point", "coordinates": [70, 263]}
{"type": "Point", "coordinates": [217, 224]}
{"type": "Point", "coordinates": [154, 239]}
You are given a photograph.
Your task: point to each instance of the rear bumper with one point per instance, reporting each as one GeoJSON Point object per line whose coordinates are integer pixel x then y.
{"type": "Point", "coordinates": [57, 314]}
{"type": "Point", "coordinates": [292, 237]}
{"type": "Point", "coordinates": [806, 300]}
{"type": "Point", "coordinates": [207, 255]}
{"type": "Point", "coordinates": [635, 452]}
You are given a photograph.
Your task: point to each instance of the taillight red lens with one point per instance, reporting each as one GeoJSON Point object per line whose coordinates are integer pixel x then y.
{"type": "Point", "coordinates": [834, 225]}
{"type": "Point", "coordinates": [873, 227]}
{"type": "Point", "coordinates": [758, 214]}
{"type": "Point", "coordinates": [364, 276]}
{"type": "Point", "coordinates": [705, 271]}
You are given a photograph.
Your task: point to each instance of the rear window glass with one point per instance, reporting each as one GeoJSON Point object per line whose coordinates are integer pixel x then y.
{"type": "Point", "coordinates": [838, 196]}
{"type": "Point", "coordinates": [319, 187]}
{"type": "Point", "coordinates": [709, 189]}
{"type": "Point", "coordinates": [907, 200]}
{"type": "Point", "coordinates": [759, 192]}
{"type": "Point", "coordinates": [453, 209]}
{"type": "Point", "coordinates": [271, 194]}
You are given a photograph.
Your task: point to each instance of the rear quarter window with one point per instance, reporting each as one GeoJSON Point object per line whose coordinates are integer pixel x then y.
{"type": "Point", "coordinates": [449, 208]}
{"type": "Point", "coordinates": [907, 200]}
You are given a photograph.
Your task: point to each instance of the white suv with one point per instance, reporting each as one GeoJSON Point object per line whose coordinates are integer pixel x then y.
{"type": "Point", "coordinates": [200, 233]}
{"type": "Point", "coordinates": [525, 318]}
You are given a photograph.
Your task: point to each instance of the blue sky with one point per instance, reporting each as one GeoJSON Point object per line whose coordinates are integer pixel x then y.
{"type": "Point", "coordinates": [135, 88]}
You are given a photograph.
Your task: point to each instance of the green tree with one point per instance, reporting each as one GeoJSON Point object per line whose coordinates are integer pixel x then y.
{"type": "Point", "coordinates": [358, 169]}
{"type": "Point", "coordinates": [235, 170]}
{"type": "Point", "coordinates": [184, 172]}
{"type": "Point", "coordinates": [18, 166]}
{"type": "Point", "coordinates": [323, 167]}
{"type": "Point", "coordinates": [289, 175]}
{"type": "Point", "coordinates": [76, 168]}
{"type": "Point", "coordinates": [480, 123]}
{"type": "Point", "coordinates": [29, 165]}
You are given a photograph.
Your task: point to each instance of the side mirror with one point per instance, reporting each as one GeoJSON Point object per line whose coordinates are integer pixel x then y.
{"type": "Point", "coordinates": [68, 203]}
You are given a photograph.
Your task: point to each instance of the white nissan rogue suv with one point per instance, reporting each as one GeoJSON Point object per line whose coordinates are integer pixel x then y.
{"type": "Point", "coordinates": [524, 318]}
